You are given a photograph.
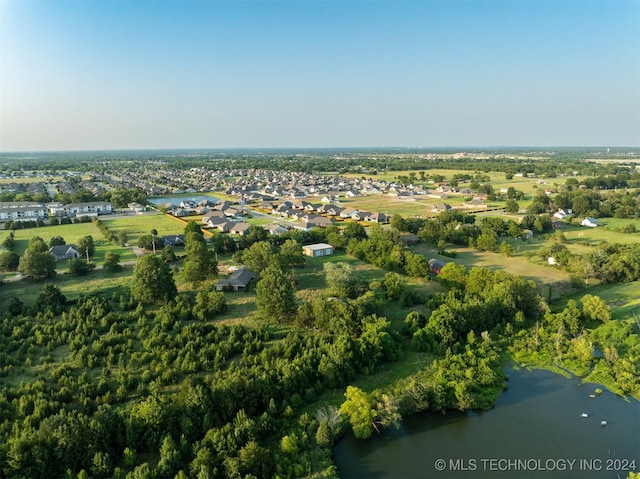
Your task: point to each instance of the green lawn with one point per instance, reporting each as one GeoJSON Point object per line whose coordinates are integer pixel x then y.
{"type": "Point", "coordinates": [622, 298]}
{"type": "Point", "coordinates": [136, 226]}
{"type": "Point", "coordinates": [593, 236]}
{"type": "Point", "coordinates": [547, 278]}
{"type": "Point", "coordinates": [71, 234]}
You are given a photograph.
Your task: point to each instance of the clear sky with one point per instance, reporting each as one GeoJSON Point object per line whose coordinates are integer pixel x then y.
{"type": "Point", "coordinates": [129, 74]}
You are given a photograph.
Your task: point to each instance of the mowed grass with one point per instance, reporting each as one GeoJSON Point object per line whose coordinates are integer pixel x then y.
{"type": "Point", "coordinates": [593, 236]}
{"type": "Point", "coordinates": [135, 226]}
{"type": "Point", "coordinates": [71, 234]}
{"type": "Point", "coordinates": [623, 298]}
{"type": "Point", "coordinates": [418, 206]}
{"type": "Point", "coordinates": [547, 278]}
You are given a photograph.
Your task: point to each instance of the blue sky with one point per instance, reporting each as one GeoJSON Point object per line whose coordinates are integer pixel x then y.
{"type": "Point", "coordinates": [120, 74]}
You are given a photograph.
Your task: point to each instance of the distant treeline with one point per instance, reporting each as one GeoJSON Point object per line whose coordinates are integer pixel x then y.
{"type": "Point", "coordinates": [548, 162]}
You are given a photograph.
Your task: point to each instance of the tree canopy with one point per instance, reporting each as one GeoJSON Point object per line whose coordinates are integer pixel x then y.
{"type": "Point", "coordinates": [153, 281]}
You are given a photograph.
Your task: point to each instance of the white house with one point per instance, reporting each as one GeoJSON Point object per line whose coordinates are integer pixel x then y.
{"type": "Point", "coordinates": [589, 222]}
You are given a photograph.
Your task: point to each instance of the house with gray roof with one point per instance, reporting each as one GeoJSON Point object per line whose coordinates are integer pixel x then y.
{"type": "Point", "coordinates": [237, 281]}
{"type": "Point", "coordinates": [64, 251]}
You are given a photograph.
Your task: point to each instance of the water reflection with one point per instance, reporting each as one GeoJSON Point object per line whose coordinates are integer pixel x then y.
{"type": "Point", "coordinates": [535, 430]}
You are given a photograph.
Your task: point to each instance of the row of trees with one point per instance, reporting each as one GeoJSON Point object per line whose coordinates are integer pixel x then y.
{"type": "Point", "coordinates": [586, 202]}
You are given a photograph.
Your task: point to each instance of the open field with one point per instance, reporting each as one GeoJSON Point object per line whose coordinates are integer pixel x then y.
{"type": "Point", "coordinates": [71, 234]}
{"type": "Point", "coordinates": [593, 236]}
{"type": "Point", "coordinates": [48, 179]}
{"type": "Point", "coordinates": [136, 226]}
{"type": "Point", "coordinates": [96, 282]}
{"type": "Point", "coordinates": [622, 298]}
{"type": "Point", "coordinates": [550, 281]}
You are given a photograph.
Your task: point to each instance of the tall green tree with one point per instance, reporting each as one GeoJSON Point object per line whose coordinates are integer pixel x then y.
{"type": "Point", "coordinates": [112, 261]}
{"type": "Point", "coordinates": [291, 253]}
{"type": "Point", "coordinates": [37, 262]}
{"type": "Point", "coordinates": [56, 241]}
{"type": "Point", "coordinates": [86, 247]}
{"type": "Point", "coordinates": [595, 308]}
{"type": "Point", "coordinates": [152, 281]}
{"type": "Point", "coordinates": [10, 241]}
{"type": "Point", "coordinates": [368, 412]}
{"type": "Point", "coordinates": [259, 256]}
{"type": "Point", "coordinates": [9, 261]}
{"type": "Point", "coordinates": [275, 297]}
{"type": "Point", "coordinates": [393, 285]}
{"type": "Point", "coordinates": [341, 279]}
{"type": "Point", "coordinates": [51, 298]}
{"type": "Point", "coordinates": [193, 227]}
{"type": "Point", "coordinates": [200, 262]}
{"type": "Point", "coordinates": [511, 206]}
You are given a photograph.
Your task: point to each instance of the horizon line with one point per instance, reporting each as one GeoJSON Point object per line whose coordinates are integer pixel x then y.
{"type": "Point", "coordinates": [307, 148]}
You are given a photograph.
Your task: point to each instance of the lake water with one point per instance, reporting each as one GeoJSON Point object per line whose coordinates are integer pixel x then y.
{"type": "Point", "coordinates": [176, 200]}
{"type": "Point", "coordinates": [534, 431]}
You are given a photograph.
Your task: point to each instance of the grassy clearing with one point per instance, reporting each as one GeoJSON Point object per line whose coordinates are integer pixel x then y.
{"type": "Point", "coordinates": [98, 282]}
{"type": "Point", "coordinates": [71, 234]}
{"type": "Point", "coordinates": [544, 276]}
{"type": "Point", "coordinates": [136, 226]}
{"type": "Point", "coordinates": [622, 298]}
{"type": "Point", "coordinates": [408, 207]}
{"type": "Point", "coordinates": [593, 236]}
{"type": "Point", "coordinates": [48, 179]}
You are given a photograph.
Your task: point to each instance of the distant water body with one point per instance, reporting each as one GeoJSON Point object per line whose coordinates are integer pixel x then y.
{"type": "Point", "coordinates": [534, 431]}
{"type": "Point", "coordinates": [176, 200]}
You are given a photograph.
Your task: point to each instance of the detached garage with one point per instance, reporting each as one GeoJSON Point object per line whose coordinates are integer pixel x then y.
{"type": "Point", "coordinates": [319, 249]}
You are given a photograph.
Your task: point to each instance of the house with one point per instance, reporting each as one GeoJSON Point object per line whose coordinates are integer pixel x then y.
{"type": "Point", "coordinates": [527, 235]}
{"type": "Point", "coordinates": [215, 215]}
{"type": "Point", "coordinates": [475, 203]}
{"type": "Point", "coordinates": [241, 229]}
{"type": "Point", "coordinates": [276, 230]}
{"type": "Point", "coordinates": [136, 207]}
{"type": "Point", "coordinates": [440, 207]}
{"type": "Point", "coordinates": [318, 221]}
{"type": "Point", "coordinates": [348, 212]}
{"type": "Point", "coordinates": [239, 280]}
{"type": "Point", "coordinates": [435, 265]}
{"type": "Point", "coordinates": [224, 226]}
{"type": "Point", "coordinates": [409, 239]}
{"type": "Point", "coordinates": [589, 222]}
{"type": "Point", "coordinates": [180, 212]}
{"type": "Point", "coordinates": [318, 249]}
{"type": "Point", "coordinates": [65, 251]}
{"type": "Point", "coordinates": [334, 211]}
{"type": "Point", "coordinates": [360, 215]}
{"type": "Point", "coordinates": [173, 240]}
{"type": "Point", "coordinates": [377, 218]}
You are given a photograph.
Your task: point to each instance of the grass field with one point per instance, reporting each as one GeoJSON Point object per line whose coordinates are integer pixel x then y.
{"type": "Point", "coordinates": [622, 298]}
{"type": "Point", "coordinates": [136, 226]}
{"type": "Point", "coordinates": [549, 280]}
{"type": "Point", "coordinates": [593, 236]}
{"type": "Point", "coordinates": [96, 282]}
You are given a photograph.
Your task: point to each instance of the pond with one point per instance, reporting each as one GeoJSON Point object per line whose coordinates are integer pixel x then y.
{"type": "Point", "coordinates": [176, 200]}
{"type": "Point", "coordinates": [536, 429]}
